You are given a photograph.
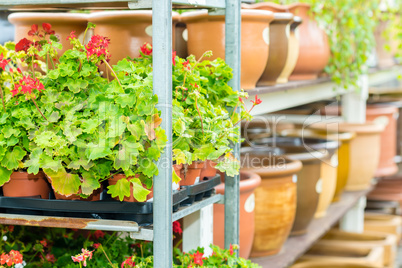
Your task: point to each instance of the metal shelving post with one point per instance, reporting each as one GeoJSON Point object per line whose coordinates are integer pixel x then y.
{"type": "Point", "coordinates": [162, 86]}
{"type": "Point", "coordinates": [232, 57]}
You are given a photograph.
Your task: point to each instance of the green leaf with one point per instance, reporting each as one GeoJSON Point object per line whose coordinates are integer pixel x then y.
{"type": "Point", "coordinates": [75, 85]}
{"type": "Point", "coordinates": [90, 125]}
{"type": "Point", "coordinates": [11, 159]}
{"type": "Point", "coordinates": [95, 151]}
{"type": "Point", "coordinates": [148, 167]}
{"type": "Point", "coordinates": [121, 189]}
{"type": "Point", "coordinates": [175, 178]}
{"type": "Point", "coordinates": [8, 131]}
{"type": "Point", "coordinates": [87, 69]}
{"type": "Point", "coordinates": [34, 159]}
{"type": "Point", "coordinates": [116, 127]}
{"type": "Point", "coordinates": [54, 117]}
{"type": "Point", "coordinates": [123, 66]}
{"type": "Point", "coordinates": [89, 183]}
{"type": "Point", "coordinates": [63, 182]}
{"type": "Point", "coordinates": [139, 192]}
{"type": "Point", "coordinates": [136, 130]}
{"type": "Point", "coordinates": [4, 175]}
{"type": "Point", "coordinates": [48, 162]}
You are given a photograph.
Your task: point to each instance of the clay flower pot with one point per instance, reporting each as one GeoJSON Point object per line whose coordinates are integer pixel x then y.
{"type": "Point", "coordinates": [324, 252]}
{"type": "Point", "coordinates": [207, 32]}
{"type": "Point", "coordinates": [248, 183]}
{"type": "Point", "coordinates": [113, 180]}
{"type": "Point", "coordinates": [191, 174]}
{"type": "Point", "coordinates": [367, 239]}
{"type": "Point", "coordinates": [23, 184]}
{"type": "Point", "coordinates": [279, 43]}
{"type": "Point", "coordinates": [314, 51]}
{"type": "Point", "coordinates": [387, 115]}
{"type": "Point", "coordinates": [95, 196]}
{"type": "Point", "coordinates": [275, 200]}
{"type": "Point", "coordinates": [62, 23]}
{"type": "Point", "coordinates": [364, 151]}
{"type": "Point", "coordinates": [390, 224]}
{"type": "Point", "coordinates": [129, 29]}
{"type": "Point", "coordinates": [209, 169]}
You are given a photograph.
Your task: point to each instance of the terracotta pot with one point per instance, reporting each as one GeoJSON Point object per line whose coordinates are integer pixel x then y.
{"type": "Point", "coordinates": [390, 224]}
{"type": "Point", "coordinates": [367, 239]}
{"type": "Point", "coordinates": [23, 184]}
{"type": "Point", "coordinates": [209, 169]}
{"type": "Point", "coordinates": [279, 43]}
{"type": "Point", "coordinates": [342, 161]}
{"type": "Point", "coordinates": [248, 183]}
{"type": "Point", "coordinates": [275, 200]}
{"type": "Point", "coordinates": [192, 173]}
{"type": "Point", "coordinates": [385, 58]}
{"type": "Point", "coordinates": [330, 264]}
{"type": "Point", "coordinates": [62, 23]}
{"type": "Point", "coordinates": [181, 40]}
{"type": "Point", "coordinates": [387, 115]}
{"type": "Point", "coordinates": [207, 32]}
{"type": "Point", "coordinates": [293, 51]}
{"type": "Point", "coordinates": [314, 51]}
{"type": "Point", "coordinates": [364, 151]}
{"type": "Point", "coordinates": [128, 31]}
{"type": "Point", "coordinates": [113, 180]}
{"type": "Point", "coordinates": [95, 196]}
{"type": "Point", "coordinates": [324, 251]}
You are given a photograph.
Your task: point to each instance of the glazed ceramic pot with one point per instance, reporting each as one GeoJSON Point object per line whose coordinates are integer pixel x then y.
{"type": "Point", "coordinates": [181, 39]}
{"type": "Point", "coordinates": [314, 51]}
{"type": "Point", "coordinates": [390, 224]}
{"type": "Point", "coordinates": [95, 196]}
{"type": "Point", "coordinates": [324, 251]}
{"type": "Point", "coordinates": [128, 31]}
{"type": "Point", "coordinates": [275, 200]}
{"type": "Point", "coordinates": [23, 184]}
{"type": "Point", "coordinates": [329, 166]}
{"type": "Point", "coordinates": [113, 180]}
{"type": "Point", "coordinates": [364, 151]}
{"type": "Point", "coordinates": [62, 23]}
{"type": "Point", "coordinates": [293, 51]}
{"type": "Point", "coordinates": [248, 183]}
{"type": "Point", "coordinates": [387, 115]}
{"type": "Point", "coordinates": [207, 32]}
{"type": "Point", "coordinates": [191, 173]}
{"type": "Point", "coordinates": [367, 239]}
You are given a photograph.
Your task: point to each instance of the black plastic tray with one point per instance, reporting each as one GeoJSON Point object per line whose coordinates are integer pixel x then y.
{"type": "Point", "coordinates": [107, 208]}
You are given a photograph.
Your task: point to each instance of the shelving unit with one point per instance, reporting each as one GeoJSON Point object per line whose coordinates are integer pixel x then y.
{"type": "Point", "coordinates": [162, 85]}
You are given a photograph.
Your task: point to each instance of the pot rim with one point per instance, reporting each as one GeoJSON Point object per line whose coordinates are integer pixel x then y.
{"type": "Point", "coordinates": [125, 17]}
{"type": "Point", "coordinates": [319, 133]}
{"type": "Point", "coordinates": [247, 185]}
{"type": "Point", "coordinates": [246, 14]}
{"type": "Point", "coordinates": [358, 128]}
{"type": "Point", "coordinates": [24, 17]}
{"type": "Point", "coordinates": [314, 143]}
{"type": "Point", "coordinates": [291, 167]}
{"type": "Point", "coordinates": [296, 5]}
{"type": "Point", "coordinates": [274, 7]}
{"type": "Point", "coordinates": [381, 109]}
{"type": "Point", "coordinates": [24, 175]}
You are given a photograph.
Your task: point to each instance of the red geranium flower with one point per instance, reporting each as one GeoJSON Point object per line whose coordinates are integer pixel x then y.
{"type": "Point", "coordinates": [71, 36]}
{"type": "Point", "coordinates": [47, 27]}
{"type": "Point", "coordinates": [128, 262]}
{"type": "Point", "coordinates": [146, 49]}
{"type": "Point", "coordinates": [177, 228]}
{"type": "Point", "coordinates": [34, 30]}
{"type": "Point", "coordinates": [98, 234]}
{"type": "Point", "coordinates": [98, 46]}
{"type": "Point", "coordinates": [23, 44]}
{"type": "Point", "coordinates": [198, 258]}
{"type": "Point", "coordinates": [3, 62]}
{"type": "Point", "coordinates": [174, 58]}
{"type": "Point", "coordinates": [256, 101]}
{"type": "Point", "coordinates": [50, 258]}
{"type": "Point", "coordinates": [96, 245]}
{"type": "Point", "coordinates": [26, 85]}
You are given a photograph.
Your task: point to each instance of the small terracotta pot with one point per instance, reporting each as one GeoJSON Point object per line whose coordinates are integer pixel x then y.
{"type": "Point", "coordinates": [364, 151]}
{"type": "Point", "coordinates": [248, 183]}
{"type": "Point", "coordinates": [209, 169]}
{"type": "Point", "coordinates": [113, 180]}
{"type": "Point", "coordinates": [207, 32]}
{"type": "Point", "coordinates": [314, 51]}
{"type": "Point", "coordinates": [279, 43]}
{"type": "Point", "coordinates": [275, 200]}
{"type": "Point", "coordinates": [367, 239]}
{"type": "Point", "coordinates": [95, 196]}
{"type": "Point", "coordinates": [128, 31]}
{"type": "Point", "coordinates": [62, 23]}
{"type": "Point", "coordinates": [23, 184]}
{"type": "Point", "coordinates": [192, 173]}
{"type": "Point", "coordinates": [324, 252]}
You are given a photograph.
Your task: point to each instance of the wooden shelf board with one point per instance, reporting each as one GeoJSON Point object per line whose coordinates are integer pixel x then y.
{"type": "Point", "coordinates": [295, 246]}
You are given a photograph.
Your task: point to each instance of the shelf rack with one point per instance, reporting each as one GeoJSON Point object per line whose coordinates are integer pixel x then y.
{"type": "Point", "coordinates": [162, 73]}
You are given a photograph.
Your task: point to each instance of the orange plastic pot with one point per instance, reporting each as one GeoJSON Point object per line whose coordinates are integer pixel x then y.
{"type": "Point", "coordinates": [191, 174]}
{"type": "Point", "coordinates": [248, 183]}
{"type": "Point", "coordinates": [23, 184]}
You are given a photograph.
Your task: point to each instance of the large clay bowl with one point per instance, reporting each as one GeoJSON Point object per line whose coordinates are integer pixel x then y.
{"type": "Point", "coordinates": [207, 32]}
{"type": "Point", "coordinates": [275, 199]}
{"type": "Point", "coordinates": [248, 183]}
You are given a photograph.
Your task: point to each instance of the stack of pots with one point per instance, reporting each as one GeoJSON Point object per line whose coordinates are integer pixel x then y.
{"type": "Point", "coordinates": [275, 199]}
{"type": "Point", "coordinates": [207, 32]}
